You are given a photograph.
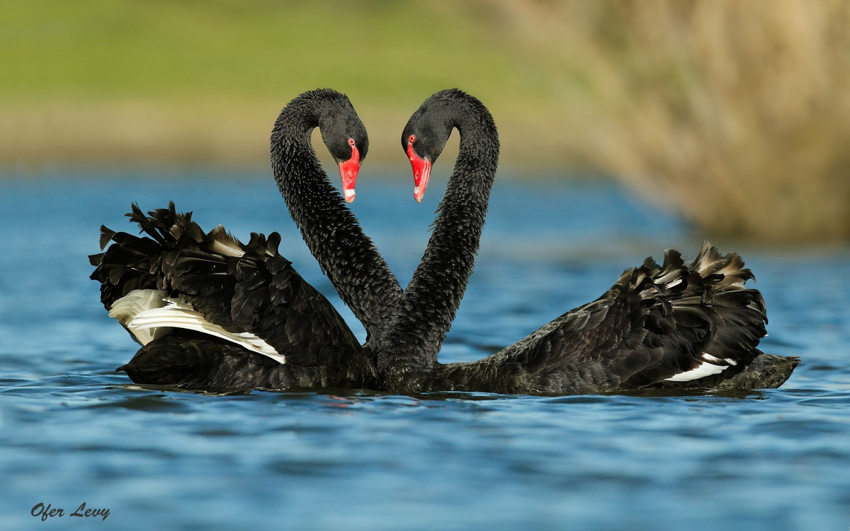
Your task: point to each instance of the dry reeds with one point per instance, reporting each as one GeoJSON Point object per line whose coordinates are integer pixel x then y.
{"type": "Point", "coordinates": [734, 113]}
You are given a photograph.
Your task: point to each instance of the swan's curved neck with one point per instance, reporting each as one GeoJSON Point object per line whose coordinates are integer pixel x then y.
{"type": "Point", "coordinates": [346, 255]}
{"type": "Point", "coordinates": [413, 339]}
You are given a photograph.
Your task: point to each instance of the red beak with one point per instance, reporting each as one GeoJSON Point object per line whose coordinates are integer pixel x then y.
{"type": "Point", "coordinates": [348, 171]}
{"type": "Point", "coordinates": [421, 173]}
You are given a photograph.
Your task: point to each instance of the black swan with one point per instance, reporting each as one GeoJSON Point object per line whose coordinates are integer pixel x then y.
{"type": "Point", "coordinates": [674, 325]}
{"type": "Point", "coordinates": [214, 313]}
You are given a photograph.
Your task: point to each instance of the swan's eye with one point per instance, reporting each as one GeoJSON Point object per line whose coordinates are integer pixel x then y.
{"type": "Point", "coordinates": [410, 139]}
{"type": "Point", "coordinates": [351, 142]}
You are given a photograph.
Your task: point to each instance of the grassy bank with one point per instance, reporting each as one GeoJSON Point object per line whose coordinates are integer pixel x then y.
{"type": "Point", "coordinates": [185, 82]}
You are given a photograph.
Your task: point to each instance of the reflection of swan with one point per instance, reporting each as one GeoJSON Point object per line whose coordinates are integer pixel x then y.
{"type": "Point", "coordinates": [212, 312]}
{"type": "Point", "coordinates": [671, 325]}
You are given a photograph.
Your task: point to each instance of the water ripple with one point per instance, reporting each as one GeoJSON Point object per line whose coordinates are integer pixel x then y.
{"type": "Point", "coordinates": [73, 430]}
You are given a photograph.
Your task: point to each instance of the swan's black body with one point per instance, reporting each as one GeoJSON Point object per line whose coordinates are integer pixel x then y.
{"type": "Point", "coordinates": [251, 288]}
{"type": "Point", "coordinates": [638, 335]}
{"type": "Point", "coordinates": [669, 326]}
{"type": "Point", "coordinates": [658, 326]}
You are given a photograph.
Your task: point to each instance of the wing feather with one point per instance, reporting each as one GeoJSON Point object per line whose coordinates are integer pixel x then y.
{"type": "Point", "coordinates": [214, 284]}
{"type": "Point", "coordinates": [675, 322]}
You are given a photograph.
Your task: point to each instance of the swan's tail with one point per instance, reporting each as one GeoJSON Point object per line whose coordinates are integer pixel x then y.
{"type": "Point", "coordinates": [767, 371]}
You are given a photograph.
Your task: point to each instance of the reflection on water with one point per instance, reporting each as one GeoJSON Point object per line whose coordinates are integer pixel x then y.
{"type": "Point", "coordinates": [72, 430]}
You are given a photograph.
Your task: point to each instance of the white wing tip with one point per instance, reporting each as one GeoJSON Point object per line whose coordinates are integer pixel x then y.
{"type": "Point", "coordinates": [707, 368]}
{"type": "Point", "coordinates": [148, 315]}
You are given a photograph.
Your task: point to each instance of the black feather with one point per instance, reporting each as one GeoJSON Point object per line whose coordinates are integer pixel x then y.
{"type": "Point", "coordinates": [654, 323]}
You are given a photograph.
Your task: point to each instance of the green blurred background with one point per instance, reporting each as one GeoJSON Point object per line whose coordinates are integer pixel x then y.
{"type": "Point", "coordinates": [733, 114]}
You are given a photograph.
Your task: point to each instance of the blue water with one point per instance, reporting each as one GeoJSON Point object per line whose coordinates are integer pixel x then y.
{"type": "Point", "coordinates": [72, 430]}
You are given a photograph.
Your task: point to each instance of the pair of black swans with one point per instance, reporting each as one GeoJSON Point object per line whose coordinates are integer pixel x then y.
{"type": "Point", "coordinates": [212, 313]}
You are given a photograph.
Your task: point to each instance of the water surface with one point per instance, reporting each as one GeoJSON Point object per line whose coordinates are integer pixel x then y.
{"type": "Point", "coordinates": [72, 430]}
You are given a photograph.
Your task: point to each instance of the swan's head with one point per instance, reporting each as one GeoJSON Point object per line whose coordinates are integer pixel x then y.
{"type": "Point", "coordinates": [345, 137]}
{"type": "Point", "coordinates": [424, 138]}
